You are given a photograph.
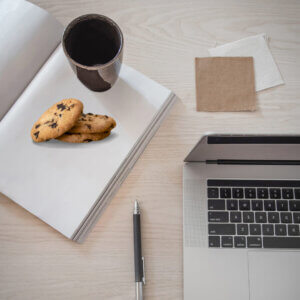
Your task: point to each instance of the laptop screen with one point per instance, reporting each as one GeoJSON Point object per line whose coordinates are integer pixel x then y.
{"type": "Point", "coordinates": [253, 139]}
{"type": "Point", "coordinates": [246, 148]}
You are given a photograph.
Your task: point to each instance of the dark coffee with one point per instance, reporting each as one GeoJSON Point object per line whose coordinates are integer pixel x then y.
{"type": "Point", "coordinates": [93, 45]}
{"type": "Point", "coordinates": [93, 42]}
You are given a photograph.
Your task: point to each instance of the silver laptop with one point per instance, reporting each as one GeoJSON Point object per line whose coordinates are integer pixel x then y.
{"type": "Point", "coordinates": [241, 201]}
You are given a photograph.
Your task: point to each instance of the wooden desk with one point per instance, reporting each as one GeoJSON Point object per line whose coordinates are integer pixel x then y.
{"type": "Point", "coordinates": [161, 40]}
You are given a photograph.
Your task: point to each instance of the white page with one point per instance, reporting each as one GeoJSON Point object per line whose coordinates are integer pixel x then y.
{"type": "Point", "coordinates": [59, 182]}
{"type": "Point", "coordinates": [28, 36]}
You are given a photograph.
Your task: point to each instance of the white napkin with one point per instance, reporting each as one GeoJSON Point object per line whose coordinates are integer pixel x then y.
{"type": "Point", "coordinates": [266, 72]}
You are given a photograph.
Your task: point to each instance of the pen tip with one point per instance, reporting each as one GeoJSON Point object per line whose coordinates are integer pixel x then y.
{"type": "Point", "coordinates": [136, 206]}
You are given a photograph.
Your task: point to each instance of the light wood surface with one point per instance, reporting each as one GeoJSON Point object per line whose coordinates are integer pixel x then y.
{"type": "Point", "coordinates": [162, 38]}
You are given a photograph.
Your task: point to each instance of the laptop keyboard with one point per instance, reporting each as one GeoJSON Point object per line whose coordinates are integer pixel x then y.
{"type": "Point", "coordinates": [253, 213]}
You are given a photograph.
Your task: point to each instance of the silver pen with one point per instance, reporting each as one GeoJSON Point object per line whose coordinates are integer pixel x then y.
{"type": "Point", "coordinates": [139, 265]}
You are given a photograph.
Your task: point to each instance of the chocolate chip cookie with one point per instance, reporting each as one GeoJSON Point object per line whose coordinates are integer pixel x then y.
{"type": "Point", "coordinates": [83, 137]}
{"type": "Point", "coordinates": [91, 123]}
{"type": "Point", "coordinates": [57, 120]}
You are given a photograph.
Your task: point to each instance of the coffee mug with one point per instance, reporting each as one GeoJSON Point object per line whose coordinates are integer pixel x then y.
{"type": "Point", "coordinates": [93, 45]}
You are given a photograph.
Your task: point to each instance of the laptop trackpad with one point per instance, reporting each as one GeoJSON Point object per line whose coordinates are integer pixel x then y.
{"type": "Point", "coordinates": [274, 275]}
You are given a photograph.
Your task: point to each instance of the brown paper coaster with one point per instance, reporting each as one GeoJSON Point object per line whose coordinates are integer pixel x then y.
{"type": "Point", "coordinates": [225, 84]}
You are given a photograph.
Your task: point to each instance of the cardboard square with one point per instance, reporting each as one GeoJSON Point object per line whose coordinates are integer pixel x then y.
{"type": "Point", "coordinates": [225, 84]}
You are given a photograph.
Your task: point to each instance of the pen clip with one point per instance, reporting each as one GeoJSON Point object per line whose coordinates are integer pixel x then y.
{"type": "Point", "coordinates": [144, 278]}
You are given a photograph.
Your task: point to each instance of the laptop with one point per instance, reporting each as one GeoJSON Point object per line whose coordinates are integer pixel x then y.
{"type": "Point", "coordinates": [241, 203]}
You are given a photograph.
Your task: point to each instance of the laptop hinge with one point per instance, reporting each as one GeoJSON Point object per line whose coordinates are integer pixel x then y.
{"type": "Point", "coordinates": [252, 162]}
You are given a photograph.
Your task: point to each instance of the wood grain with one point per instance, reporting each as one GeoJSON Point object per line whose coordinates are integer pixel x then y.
{"type": "Point", "coordinates": [161, 40]}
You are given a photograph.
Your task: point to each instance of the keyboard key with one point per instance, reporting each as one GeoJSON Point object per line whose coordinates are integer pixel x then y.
{"type": "Point", "coordinates": [214, 241]}
{"type": "Point", "coordinates": [296, 217]}
{"type": "Point", "coordinates": [239, 242]}
{"type": "Point", "coordinates": [254, 242]}
{"type": "Point", "coordinates": [260, 217]}
{"type": "Point", "coordinates": [278, 242]}
{"type": "Point", "coordinates": [269, 205]}
{"type": "Point", "coordinates": [213, 193]}
{"type": "Point", "coordinates": [221, 229]}
{"type": "Point", "coordinates": [287, 194]}
{"type": "Point", "coordinates": [216, 204]}
{"type": "Point", "coordinates": [273, 217]}
{"type": "Point", "coordinates": [262, 193]}
{"type": "Point", "coordinates": [297, 193]}
{"type": "Point", "coordinates": [280, 229]}
{"type": "Point", "coordinates": [237, 193]}
{"type": "Point", "coordinates": [232, 204]}
{"type": "Point", "coordinates": [268, 229]}
{"type": "Point", "coordinates": [257, 205]}
{"type": "Point", "coordinates": [255, 229]}
{"type": "Point", "coordinates": [275, 193]}
{"type": "Point", "coordinates": [218, 216]}
{"type": "Point", "coordinates": [245, 204]}
{"type": "Point", "coordinates": [282, 205]}
{"type": "Point", "coordinates": [242, 229]}
{"type": "Point", "coordinates": [235, 217]}
{"type": "Point", "coordinates": [250, 193]}
{"type": "Point", "coordinates": [294, 205]}
{"type": "Point", "coordinates": [293, 230]}
{"type": "Point", "coordinates": [286, 217]}
{"type": "Point", "coordinates": [225, 193]}
{"type": "Point", "coordinates": [248, 217]}
{"type": "Point", "coordinates": [227, 241]}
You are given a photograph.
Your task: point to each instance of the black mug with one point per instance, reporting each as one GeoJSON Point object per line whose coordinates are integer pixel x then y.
{"type": "Point", "coordinates": [93, 45]}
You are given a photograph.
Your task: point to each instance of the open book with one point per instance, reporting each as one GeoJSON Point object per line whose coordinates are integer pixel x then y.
{"type": "Point", "coordinates": [65, 185]}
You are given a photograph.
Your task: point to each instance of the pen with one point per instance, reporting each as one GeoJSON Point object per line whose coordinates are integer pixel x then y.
{"type": "Point", "coordinates": [138, 259]}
